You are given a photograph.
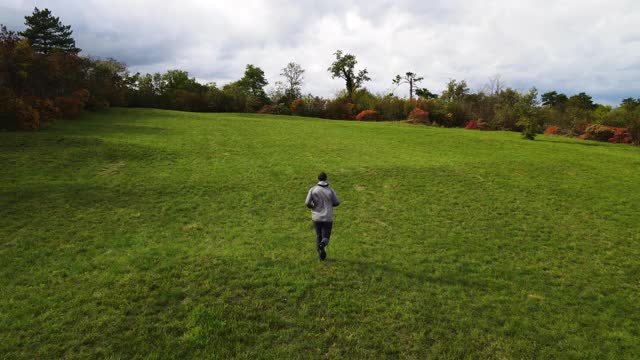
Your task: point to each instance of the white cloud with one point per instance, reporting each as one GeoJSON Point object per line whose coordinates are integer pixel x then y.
{"type": "Point", "coordinates": [569, 45]}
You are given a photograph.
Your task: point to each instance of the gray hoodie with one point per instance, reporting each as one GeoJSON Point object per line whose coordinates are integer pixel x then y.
{"type": "Point", "coordinates": [321, 200]}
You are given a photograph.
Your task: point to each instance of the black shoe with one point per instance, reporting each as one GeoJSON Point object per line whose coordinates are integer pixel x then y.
{"type": "Point", "coordinates": [321, 252]}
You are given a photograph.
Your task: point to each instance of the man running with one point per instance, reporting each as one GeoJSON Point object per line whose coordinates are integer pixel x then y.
{"type": "Point", "coordinates": [321, 200]}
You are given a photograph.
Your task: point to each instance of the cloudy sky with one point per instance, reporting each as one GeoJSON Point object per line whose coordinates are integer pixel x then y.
{"type": "Point", "coordinates": [569, 46]}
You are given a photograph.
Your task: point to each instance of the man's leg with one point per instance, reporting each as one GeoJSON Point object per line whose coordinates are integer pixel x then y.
{"type": "Point", "coordinates": [318, 227]}
{"type": "Point", "coordinates": [326, 232]}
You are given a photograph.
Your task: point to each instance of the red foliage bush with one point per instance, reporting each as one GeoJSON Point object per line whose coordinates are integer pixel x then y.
{"type": "Point", "coordinates": [418, 115]}
{"type": "Point", "coordinates": [371, 115]}
{"type": "Point", "coordinates": [553, 130]}
{"type": "Point", "coordinates": [621, 136]}
{"type": "Point", "coordinates": [70, 106]}
{"type": "Point", "coordinates": [472, 125]}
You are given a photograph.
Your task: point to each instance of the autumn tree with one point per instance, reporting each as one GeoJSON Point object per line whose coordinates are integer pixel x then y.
{"type": "Point", "coordinates": [343, 68]}
{"type": "Point", "coordinates": [46, 33]}
{"type": "Point", "coordinates": [409, 78]}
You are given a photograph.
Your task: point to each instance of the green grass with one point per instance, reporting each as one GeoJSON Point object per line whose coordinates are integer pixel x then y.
{"type": "Point", "coordinates": [147, 233]}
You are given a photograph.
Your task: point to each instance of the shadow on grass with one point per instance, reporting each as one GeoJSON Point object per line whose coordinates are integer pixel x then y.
{"type": "Point", "coordinates": [583, 142]}
{"type": "Point", "coordinates": [109, 129]}
{"type": "Point", "coordinates": [65, 149]}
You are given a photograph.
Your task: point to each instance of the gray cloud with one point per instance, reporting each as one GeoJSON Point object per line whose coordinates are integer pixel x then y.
{"type": "Point", "coordinates": [570, 46]}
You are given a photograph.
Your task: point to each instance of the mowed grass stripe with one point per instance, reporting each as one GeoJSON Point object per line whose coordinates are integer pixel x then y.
{"type": "Point", "coordinates": [148, 233]}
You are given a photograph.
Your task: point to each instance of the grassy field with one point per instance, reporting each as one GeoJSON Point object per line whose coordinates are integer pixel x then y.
{"type": "Point", "coordinates": [157, 234]}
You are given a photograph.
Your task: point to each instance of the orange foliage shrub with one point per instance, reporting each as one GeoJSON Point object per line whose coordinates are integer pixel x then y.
{"type": "Point", "coordinates": [48, 110]}
{"type": "Point", "coordinates": [553, 130]}
{"type": "Point", "coordinates": [45, 107]}
{"type": "Point", "coordinates": [418, 115]}
{"type": "Point", "coordinates": [368, 115]}
{"type": "Point", "coordinates": [27, 118]}
{"type": "Point", "coordinates": [16, 113]}
{"type": "Point", "coordinates": [611, 134]}
{"type": "Point", "coordinates": [297, 107]}
{"type": "Point", "coordinates": [82, 95]}
{"type": "Point", "coordinates": [599, 132]}
{"type": "Point", "coordinates": [482, 125]}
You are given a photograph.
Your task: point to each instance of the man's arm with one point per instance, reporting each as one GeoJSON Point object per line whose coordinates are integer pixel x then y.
{"type": "Point", "coordinates": [334, 198]}
{"type": "Point", "coordinates": [309, 201]}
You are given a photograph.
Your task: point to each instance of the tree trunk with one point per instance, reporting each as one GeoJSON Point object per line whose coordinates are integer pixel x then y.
{"type": "Point", "coordinates": [410, 89]}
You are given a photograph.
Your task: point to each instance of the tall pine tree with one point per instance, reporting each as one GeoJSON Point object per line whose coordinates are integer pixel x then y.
{"type": "Point", "coordinates": [45, 32]}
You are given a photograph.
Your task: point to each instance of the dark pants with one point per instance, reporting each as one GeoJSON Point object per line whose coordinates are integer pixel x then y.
{"type": "Point", "coordinates": [323, 232]}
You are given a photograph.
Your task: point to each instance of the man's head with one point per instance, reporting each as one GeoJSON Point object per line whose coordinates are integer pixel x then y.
{"type": "Point", "coordinates": [322, 176]}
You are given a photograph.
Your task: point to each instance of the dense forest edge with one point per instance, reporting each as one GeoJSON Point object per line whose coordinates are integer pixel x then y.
{"type": "Point", "coordinates": [43, 78]}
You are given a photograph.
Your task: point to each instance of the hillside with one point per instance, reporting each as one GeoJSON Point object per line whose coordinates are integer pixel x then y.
{"type": "Point", "coordinates": [175, 235]}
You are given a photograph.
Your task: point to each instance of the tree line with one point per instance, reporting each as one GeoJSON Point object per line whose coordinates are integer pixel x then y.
{"type": "Point", "coordinates": [43, 77]}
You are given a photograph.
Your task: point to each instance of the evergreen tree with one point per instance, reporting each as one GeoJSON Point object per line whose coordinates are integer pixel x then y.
{"type": "Point", "coordinates": [426, 94]}
{"type": "Point", "coordinates": [45, 33]}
